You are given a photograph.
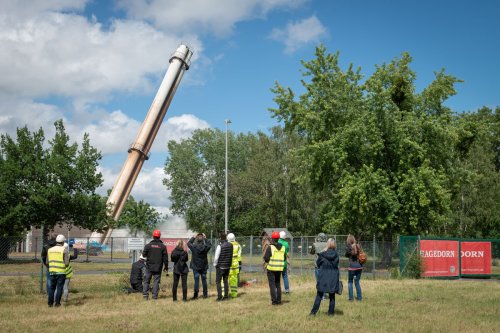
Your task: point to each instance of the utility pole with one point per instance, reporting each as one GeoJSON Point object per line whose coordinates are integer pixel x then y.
{"type": "Point", "coordinates": [227, 121]}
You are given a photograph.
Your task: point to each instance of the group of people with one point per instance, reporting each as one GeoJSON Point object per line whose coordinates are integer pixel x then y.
{"type": "Point", "coordinates": [56, 257]}
{"type": "Point", "coordinates": [58, 253]}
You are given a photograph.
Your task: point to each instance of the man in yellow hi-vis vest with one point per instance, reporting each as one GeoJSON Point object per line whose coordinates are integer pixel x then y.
{"type": "Point", "coordinates": [275, 259]}
{"type": "Point", "coordinates": [58, 260]}
{"type": "Point", "coordinates": [235, 266]}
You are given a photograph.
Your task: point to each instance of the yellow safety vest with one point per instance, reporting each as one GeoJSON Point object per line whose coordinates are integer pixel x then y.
{"type": "Point", "coordinates": [277, 261]}
{"type": "Point", "coordinates": [235, 264]}
{"type": "Point", "coordinates": [69, 271]}
{"type": "Point", "coordinates": [56, 260]}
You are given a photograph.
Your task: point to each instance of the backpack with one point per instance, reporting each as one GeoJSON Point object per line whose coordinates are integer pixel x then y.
{"type": "Point", "coordinates": [361, 255]}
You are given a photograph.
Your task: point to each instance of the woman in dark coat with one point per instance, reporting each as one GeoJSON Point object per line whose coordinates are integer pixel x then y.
{"type": "Point", "coordinates": [180, 257]}
{"type": "Point", "coordinates": [328, 276]}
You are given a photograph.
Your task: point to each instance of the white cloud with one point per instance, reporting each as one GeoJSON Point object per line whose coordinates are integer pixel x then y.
{"type": "Point", "coordinates": [202, 15]}
{"type": "Point", "coordinates": [298, 34]}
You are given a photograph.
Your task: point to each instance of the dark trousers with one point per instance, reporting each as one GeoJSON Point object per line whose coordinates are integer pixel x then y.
{"type": "Point", "coordinates": [156, 284]}
{"type": "Point", "coordinates": [203, 274]}
{"type": "Point", "coordinates": [317, 303]}
{"type": "Point", "coordinates": [184, 279]}
{"type": "Point", "coordinates": [48, 279]}
{"type": "Point", "coordinates": [56, 287]}
{"type": "Point", "coordinates": [274, 277]}
{"type": "Point", "coordinates": [222, 274]}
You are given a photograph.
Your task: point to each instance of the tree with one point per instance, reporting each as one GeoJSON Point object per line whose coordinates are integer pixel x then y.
{"type": "Point", "coordinates": [195, 173]}
{"type": "Point", "coordinates": [476, 197]}
{"type": "Point", "coordinates": [380, 151]}
{"type": "Point", "coordinates": [138, 216]}
{"type": "Point", "coordinates": [42, 187]}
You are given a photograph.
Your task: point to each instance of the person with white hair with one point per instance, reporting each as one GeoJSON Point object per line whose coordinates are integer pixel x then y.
{"type": "Point", "coordinates": [283, 242]}
{"type": "Point", "coordinates": [69, 269]}
{"type": "Point", "coordinates": [235, 266]}
{"type": "Point", "coordinates": [58, 259]}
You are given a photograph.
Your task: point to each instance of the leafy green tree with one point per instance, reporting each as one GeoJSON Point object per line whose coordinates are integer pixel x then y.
{"type": "Point", "coordinates": [44, 186]}
{"type": "Point", "coordinates": [139, 216]}
{"type": "Point", "coordinates": [380, 151]}
{"type": "Point", "coordinates": [476, 197]}
{"type": "Point", "coordinates": [195, 173]}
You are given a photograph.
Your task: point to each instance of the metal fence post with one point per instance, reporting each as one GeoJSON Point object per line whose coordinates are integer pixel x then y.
{"type": "Point", "coordinates": [111, 249]}
{"type": "Point", "coordinates": [251, 252]}
{"type": "Point", "coordinates": [373, 257]}
{"type": "Point", "coordinates": [301, 249]}
{"type": "Point", "coordinates": [88, 239]}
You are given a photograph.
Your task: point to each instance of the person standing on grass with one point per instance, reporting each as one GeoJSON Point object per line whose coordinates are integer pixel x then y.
{"type": "Point", "coordinates": [283, 242]}
{"type": "Point", "coordinates": [199, 246]}
{"type": "Point", "coordinates": [69, 269]}
{"type": "Point", "coordinates": [50, 243]}
{"type": "Point", "coordinates": [235, 265]}
{"type": "Point", "coordinates": [179, 257]}
{"type": "Point", "coordinates": [58, 259]}
{"type": "Point", "coordinates": [266, 241]}
{"type": "Point", "coordinates": [156, 256]}
{"type": "Point", "coordinates": [328, 277]}
{"type": "Point", "coordinates": [355, 268]}
{"type": "Point", "coordinates": [137, 275]}
{"type": "Point", "coordinates": [222, 262]}
{"type": "Point", "coordinates": [275, 259]}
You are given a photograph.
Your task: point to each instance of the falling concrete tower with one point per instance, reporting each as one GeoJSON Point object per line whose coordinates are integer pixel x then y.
{"type": "Point", "coordinates": [139, 150]}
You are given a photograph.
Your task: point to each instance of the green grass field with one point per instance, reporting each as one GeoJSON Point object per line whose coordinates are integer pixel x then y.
{"type": "Point", "coordinates": [97, 304]}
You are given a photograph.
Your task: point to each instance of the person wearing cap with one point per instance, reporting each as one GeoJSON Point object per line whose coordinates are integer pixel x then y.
{"type": "Point", "coordinates": [69, 269]}
{"type": "Point", "coordinates": [222, 261]}
{"type": "Point", "coordinates": [283, 242]}
{"type": "Point", "coordinates": [235, 265]}
{"type": "Point", "coordinates": [275, 259]}
{"type": "Point", "coordinates": [156, 256]}
{"type": "Point", "coordinates": [199, 246]}
{"type": "Point", "coordinates": [137, 275]}
{"type": "Point", "coordinates": [58, 259]}
{"type": "Point", "coordinates": [318, 245]}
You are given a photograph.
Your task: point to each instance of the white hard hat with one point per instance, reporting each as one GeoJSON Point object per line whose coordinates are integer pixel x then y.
{"type": "Point", "coordinates": [230, 237]}
{"type": "Point", "coordinates": [282, 234]}
{"type": "Point", "coordinates": [60, 238]}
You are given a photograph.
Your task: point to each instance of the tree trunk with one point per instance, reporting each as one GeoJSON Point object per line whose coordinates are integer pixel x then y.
{"type": "Point", "coordinates": [386, 254]}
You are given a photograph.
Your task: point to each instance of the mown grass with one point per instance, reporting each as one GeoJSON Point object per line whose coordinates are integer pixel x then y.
{"type": "Point", "coordinates": [97, 304]}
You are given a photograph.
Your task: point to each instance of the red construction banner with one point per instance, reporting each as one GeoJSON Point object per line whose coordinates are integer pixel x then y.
{"type": "Point", "coordinates": [171, 243]}
{"type": "Point", "coordinates": [476, 257]}
{"type": "Point", "coordinates": [439, 257]}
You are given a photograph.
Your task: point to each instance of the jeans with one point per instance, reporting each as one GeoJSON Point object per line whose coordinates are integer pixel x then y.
{"type": "Point", "coordinates": [156, 284]}
{"type": "Point", "coordinates": [273, 277]}
{"type": "Point", "coordinates": [48, 278]}
{"type": "Point", "coordinates": [203, 275]}
{"type": "Point", "coordinates": [285, 280]}
{"type": "Point", "coordinates": [66, 289]}
{"type": "Point", "coordinates": [183, 277]}
{"type": "Point", "coordinates": [356, 276]}
{"type": "Point", "coordinates": [222, 274]}
{"type": "Point", "coordinates": [317, 303]}
{"type": "Point", "coordinates": [56, 288]}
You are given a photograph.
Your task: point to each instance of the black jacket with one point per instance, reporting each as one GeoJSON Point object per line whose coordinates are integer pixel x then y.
{"type": "Point", "coordinates": [268, 254]}
{"type": "Point", "coordinates": [180, 258]}
{"type": "Point", "coordinates": [226, 255]}
{"type": "Point", "coordinates": [50, 243]}
{"type": "Point", "coordinates": [328, 274]}
{"type": "Point", "coordinates": [156, 254]}
{"type": "Point", "coordinates": [199, 251]}
{"type": "Point", "coordinates": [137, 273]}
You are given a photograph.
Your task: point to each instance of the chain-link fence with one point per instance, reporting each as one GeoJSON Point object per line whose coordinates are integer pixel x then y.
{"type": "Point", "coordinates": [382, 255]}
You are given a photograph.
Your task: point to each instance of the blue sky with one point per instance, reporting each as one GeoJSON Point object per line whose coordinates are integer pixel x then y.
{"type": "Point", "coordinates": [98, 64]}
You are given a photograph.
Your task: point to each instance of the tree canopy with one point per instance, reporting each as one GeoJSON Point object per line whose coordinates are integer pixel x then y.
{"type": "Point", "coordinates": [48, 184]}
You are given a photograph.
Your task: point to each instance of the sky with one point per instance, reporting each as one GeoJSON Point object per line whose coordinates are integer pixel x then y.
{"type": "Point", "coordinates": [98, 64]}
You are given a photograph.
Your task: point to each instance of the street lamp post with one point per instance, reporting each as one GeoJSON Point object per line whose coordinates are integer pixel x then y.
{"type": "Point", "coordinates": [227, 121]}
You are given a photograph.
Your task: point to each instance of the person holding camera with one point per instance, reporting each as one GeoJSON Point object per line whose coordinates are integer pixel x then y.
{"type": "Point", "coordinates": [199, 246]}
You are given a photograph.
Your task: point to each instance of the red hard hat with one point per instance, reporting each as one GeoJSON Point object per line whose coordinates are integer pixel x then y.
{"type": "Point", "coordinates": [275, 235]}
{"type": "Point", "coordinates": [157, 233]}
